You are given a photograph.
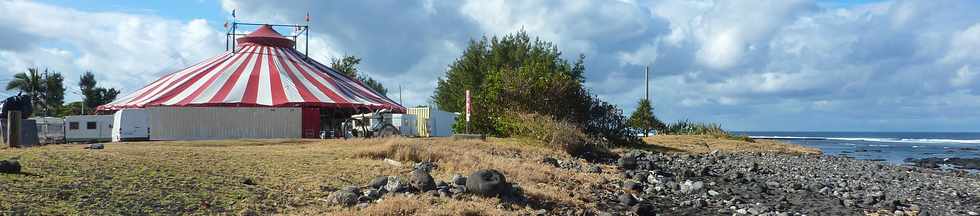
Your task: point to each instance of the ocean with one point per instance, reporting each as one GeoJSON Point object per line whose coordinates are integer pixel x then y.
{"type": "Point", "coordinates": [892, 147]}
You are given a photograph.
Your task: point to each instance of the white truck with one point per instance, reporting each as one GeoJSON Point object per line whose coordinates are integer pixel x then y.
{"type": "Point", "coordinates": [131, 125]}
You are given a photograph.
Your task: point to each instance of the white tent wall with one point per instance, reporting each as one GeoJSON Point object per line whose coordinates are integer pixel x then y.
{"type": "Point", "coordinates": [202, 123]}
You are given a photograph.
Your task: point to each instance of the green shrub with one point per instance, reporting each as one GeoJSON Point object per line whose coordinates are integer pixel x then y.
{"type": "Point", "coordinates": [685, 127]}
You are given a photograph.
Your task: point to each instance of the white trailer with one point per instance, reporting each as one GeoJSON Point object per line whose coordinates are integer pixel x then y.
{"type": "Point", "coordinates": [130, 125]}
{"type": "Point", "coordinates": [202, 123]}
{"type": "Point", "coordinates": [88, 128]}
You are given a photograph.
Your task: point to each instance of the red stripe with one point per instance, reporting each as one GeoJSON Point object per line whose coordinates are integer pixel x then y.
{"type": "Point", "coordinates": [306, 74]}
{"type": "Point", "coordinates": [180, 88]}
{"type": "Point", "coordinates": [303, 92]}
{"type": "Point", "coordinates": [344, 85]}
{"type": "Point", "coordinates": [145, 95]}
{"type": "Point", "coordinates": [369, 93]}
{"type": "Point", "coordinates": [197, 92]}
{"type": "Point", "coordinates": [278, 93]}
{"type": "Point", "coordinates": [252, 85]}
{"type": "Point", "coordinates": [230, 82]}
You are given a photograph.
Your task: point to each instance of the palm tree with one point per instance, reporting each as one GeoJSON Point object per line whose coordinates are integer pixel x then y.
{"type": "Point", "coordinates": [31, 83]}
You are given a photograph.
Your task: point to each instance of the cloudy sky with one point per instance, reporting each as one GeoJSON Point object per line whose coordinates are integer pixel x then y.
{"type": "Point", "coordinates": [749, 65]}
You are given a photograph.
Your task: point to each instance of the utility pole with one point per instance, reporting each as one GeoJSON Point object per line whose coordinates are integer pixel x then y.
{"type": "Point", "coordinates": [646, 78]}
{"type": "Point", "coordinates": [400, 101]}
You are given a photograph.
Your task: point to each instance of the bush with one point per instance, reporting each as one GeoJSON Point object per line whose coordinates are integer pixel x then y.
{"type": "Point", "coordinates": [557, 134]}
{"type": "Point", "coordinates": [685, 127]}
{"type": "Point", "coordinates": [518, 74]}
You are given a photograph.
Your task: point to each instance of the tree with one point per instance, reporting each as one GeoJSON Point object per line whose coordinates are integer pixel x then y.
{"type": "Point", "coordinates": [514, 75]}
{"type": "Point", "coordinates": [94, 96]}
{"type": "Point", "coordinates": [348, 66]}
{"type": "Point", "coordinates": [86, 84]}
{"type": "Point", "coordinates": [54, 94]}
{"type": "Point", "coordinates": [46, 89]}
{"type": "Point", "coordinates": [643, 119]}
{"type": "Point", "coordinates": [31, 83]}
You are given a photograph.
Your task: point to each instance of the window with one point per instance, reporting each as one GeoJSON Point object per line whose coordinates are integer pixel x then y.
{"type": "Point", "coordinates": [72, 125]}
{"type": "Point", "coordinates": [90, 125]}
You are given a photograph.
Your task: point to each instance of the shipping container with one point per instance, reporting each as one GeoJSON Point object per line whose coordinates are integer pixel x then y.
{"type": "Point", "coordinates": [130, 125]}
{"type": "Point", "coordinates": [432, 122]}
{"type": "Point", "coordinates": [200, 123]}
{"type": "Point", "coordinates": [88, 128]}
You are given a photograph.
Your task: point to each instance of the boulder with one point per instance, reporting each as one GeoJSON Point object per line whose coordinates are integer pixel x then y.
{"type": "Point", "coordinates": [425, 166]}
{"type": "Point", "coordinates": [689, 187]}
{"type": "Point", "coordinates": [345, 197]}
{"type": "Point", "coordinates": [421, 180]}
{"type": "Point", "coordinates": [459, 179]}
{"type": "Point", "coordinates": [9, 166]}
{"type": "Point", "coordinates": [487, 183]}
{"type": "Point", "coordinates": [627, 162]}
{"type": "Point", "coordinates": [395, 184]}
{"type": "Point", "coordinates": [627, 199]}
{"type": "Point", "coordinates": [371, 194]}
{"type": "Point", "coordinates": [378, 182]}
{"type": "Point", "coordinates": [96, 146]}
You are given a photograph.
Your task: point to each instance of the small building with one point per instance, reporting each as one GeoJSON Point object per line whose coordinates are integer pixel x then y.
{"type": "Point", "coordinates": [88, 128]}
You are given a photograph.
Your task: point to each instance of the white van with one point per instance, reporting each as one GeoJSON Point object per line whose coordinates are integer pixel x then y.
{"type": "Point", "coordinates": [88, 128]}
{"type": "Point", "coordinates": [131, 125]}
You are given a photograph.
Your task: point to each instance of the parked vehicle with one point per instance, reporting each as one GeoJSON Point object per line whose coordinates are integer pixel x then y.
{"type": "Point", "coordinates": [131, 125]}
{"type": "Point", "coordinates": [382, 124]}
{"type": "Point", "coordinates": [88, 128]}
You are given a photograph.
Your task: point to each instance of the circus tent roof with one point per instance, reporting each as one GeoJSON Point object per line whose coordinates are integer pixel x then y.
{"type": "Point", "coordinates": [264, 71]}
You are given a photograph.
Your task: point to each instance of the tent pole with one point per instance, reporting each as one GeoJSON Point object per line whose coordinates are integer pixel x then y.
{"type": "Point", "coordinates": [307, 33]}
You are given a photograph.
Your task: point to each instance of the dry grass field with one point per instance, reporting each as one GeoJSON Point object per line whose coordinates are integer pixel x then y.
{"type": "Point", "coordinates": [249, 177]}
{"type": "Point", "coordinates": [705, 144]}
{"type": "Point", "coordinates": [274, 176]}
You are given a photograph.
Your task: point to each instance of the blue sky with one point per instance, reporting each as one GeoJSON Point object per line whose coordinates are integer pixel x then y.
{"type": "Point", "coordinates": [749, 65]}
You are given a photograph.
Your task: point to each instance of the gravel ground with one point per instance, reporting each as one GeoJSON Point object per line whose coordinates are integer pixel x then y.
{"type": "Point", "coordinates": [779, 184]}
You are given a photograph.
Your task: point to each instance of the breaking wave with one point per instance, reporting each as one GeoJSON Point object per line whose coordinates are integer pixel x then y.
{"type": "Point", "coordinates": [870, 139]}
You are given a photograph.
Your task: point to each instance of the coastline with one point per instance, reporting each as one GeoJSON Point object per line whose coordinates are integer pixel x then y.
{"type": "Point", "coordinates": [743, 178]}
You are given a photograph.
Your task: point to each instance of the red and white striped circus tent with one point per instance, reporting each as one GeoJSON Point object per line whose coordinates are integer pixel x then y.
{"type": "Point", "coordinates": [264, 71]}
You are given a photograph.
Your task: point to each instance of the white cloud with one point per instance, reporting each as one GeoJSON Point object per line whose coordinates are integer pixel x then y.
{"type": "Point", "coordinates": [745, 64]}
{"type": "Point", "coordinates": [124, 50]}
{"type": "Point", "coordinates": [964, 77]}
{"type": "Point", "coordinates": [964, 45]}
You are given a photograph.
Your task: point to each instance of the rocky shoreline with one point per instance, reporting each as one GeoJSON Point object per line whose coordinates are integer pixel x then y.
{"type": "Point", "coordinates": [780, 184]}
